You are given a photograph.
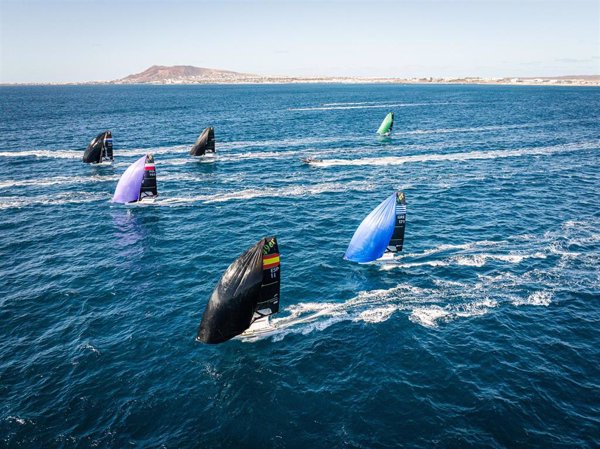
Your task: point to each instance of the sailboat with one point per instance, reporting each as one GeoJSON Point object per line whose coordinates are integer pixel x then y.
{"type": "Point", "coordinates": [385, 129]}
{"type": "Point", "coordinates": [311, 160]}
{"type": "Point", "coordinates": [205, 144]}
{"type": "Point", "coordinates": [381, 234]}
{"type": "Point", "coordinates": [245, 297]}
{"type": "Point", "coordinates": [100, 149]}
{"type": "Point", "coordinates": [138, 183]}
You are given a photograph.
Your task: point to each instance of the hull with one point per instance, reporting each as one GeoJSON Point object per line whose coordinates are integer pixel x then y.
{"type": "Point", "coordinates": [387, 257]}
{"type": "Point", "coordinates": [209, 157]}
{"type": "Point", "coordinates": [260, 328]}
{"type": "Point", "coordinates": [311, 161]}
{"type": "Point", "coordinates": [142, 202]}
{"type": "Point", "coordinates": [102, 164]}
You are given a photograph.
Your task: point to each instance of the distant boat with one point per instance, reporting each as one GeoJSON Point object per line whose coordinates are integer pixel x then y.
{"type": "Point", "coordinates": [311, 160]}
{"type": "Point", "coordinates": [245, 297]}
{"type": "Point", "coordinates": [205, 144]}
{"type": "Point", "coordinates": [100, 149]}
{"type": "Point", "coordinates": [381, 234]}
{"type": "Point", "coordinates": [138, 183]}
{"type": "Point", "coordinates": [385, 129]}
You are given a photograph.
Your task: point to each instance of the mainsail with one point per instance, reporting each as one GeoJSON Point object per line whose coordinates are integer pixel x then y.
{"type": "Point", "coordinates": [205, 143]}
{"type": "Point", "coordinates": [247, 291]}
{"type": "Point", "coordinates": [138, 181]}
{"type": "Point", "coordinates": [382, 231]}
{"type": "Point", "coordinates": [100, 149]}
{"type": "Point", "coordinates": [149, 188]}
{"type": "Point", "coordinates": [385, 128]}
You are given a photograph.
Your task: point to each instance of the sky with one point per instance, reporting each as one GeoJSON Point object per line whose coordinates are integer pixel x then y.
{"type": "Point", "coordinates": [85, 40]}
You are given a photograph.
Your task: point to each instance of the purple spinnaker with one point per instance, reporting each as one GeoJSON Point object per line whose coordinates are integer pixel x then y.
{"type": "Point", "coordinates": [128, 188]}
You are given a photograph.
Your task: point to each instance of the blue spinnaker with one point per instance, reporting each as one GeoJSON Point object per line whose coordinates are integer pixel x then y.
{"type": "Point", "coordinates": [374, 233]}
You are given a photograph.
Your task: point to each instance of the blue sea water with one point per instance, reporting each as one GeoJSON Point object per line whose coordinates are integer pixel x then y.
{"type": "Point", "coordinates": [483, 334]}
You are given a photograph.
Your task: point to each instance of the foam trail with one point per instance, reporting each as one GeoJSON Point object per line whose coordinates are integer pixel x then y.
{"type": "Point", "coordinates": [78, 154]}
{"type": "Point", "coordinates": [467, 260]}
{"type": "Point", "coordinates": [485, 128]}
{"type": "Point", "coordinates": [448, 247]}
{"type": "Point", "coordinates": [70, 198]}
{"type": "Point", "coordinates": [288, 142]}
{"type": "Point", "coordinates": [352, 103]}
{"type": "Point", "coordinates": [373, 306]}
{"type": "Point", "coordinates": [266, 192]}
{"type": "Point", "coordinates": [139, 152]}
{"type": "Point", "coordinates": [367, 106]}
{"type": "Point", "coordinates": [465, 156]}
{"type": "Point", "coordinates": [430, 316]}
{"type": "Point", "coordinates": [74, 180]}
{"type": "Point", "coordinates": [58, 180]}
{"type": "Point", "coordinates": [54, 154]}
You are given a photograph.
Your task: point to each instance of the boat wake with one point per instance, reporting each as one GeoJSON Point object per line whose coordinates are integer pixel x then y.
{"type": "Point", "coordinates": [368, 106]}
{"type": "Point", "coordinates": [267, 192]}
{"type": "Point", "coordinates": [463, 156]}
{"type": "Point", "coordinates": [487, 128]}
{"type": "Point", "coordinates": [54, 154]}
{"type": "Point", "coordinates": [450, 300]}
{"type": "Point", "coordinates": [15, 202]}
{"type": "Point", "coordinates": [58, 180]}
{"type": "Point", "coordinates": [467, 260]}
{"type": "Point", "coordinates": [425, 307]}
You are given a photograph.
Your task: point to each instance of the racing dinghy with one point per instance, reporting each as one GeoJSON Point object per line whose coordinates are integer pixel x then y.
{"type": "Point", "coordinates": [245, 297]}
{"type": "Point", "coordinates": [205, 144]}
{"type": "Point", "coordinates": [380, 236]}
{"type": "Point", "coordinates": [138, 183]}
{"type": "Point", "coordinates": [385, 129]}
{"type": "Point", "coordinates": [100, 149]}
{"type": "Point", "coordinates": [311, 160]}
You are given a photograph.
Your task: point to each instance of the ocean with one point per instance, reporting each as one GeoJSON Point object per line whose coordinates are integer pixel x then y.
{"type": "Point", "coordinates": [484, 333]}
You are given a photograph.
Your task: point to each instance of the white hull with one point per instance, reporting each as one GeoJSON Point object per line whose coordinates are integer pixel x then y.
{"type": "Point", "coordinates": [259, 328]}
{"type": "Point", "coordinates": [142, 202]}
{"type": "Point", "coordinates": [103, 163]}
{"type": "Point", "coordinates": [209, 157]}
{"type": "Point", "coordinates": [387, 257]}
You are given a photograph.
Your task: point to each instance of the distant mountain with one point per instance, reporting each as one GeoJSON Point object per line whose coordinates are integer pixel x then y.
{"type": "Point", "coordinates": [177, 74]}
{"type": "Point", "coordinates": [187, 74]}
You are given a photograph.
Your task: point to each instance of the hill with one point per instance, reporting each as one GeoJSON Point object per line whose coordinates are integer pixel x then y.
{"type": "Point", "coordinates": [159, 74]}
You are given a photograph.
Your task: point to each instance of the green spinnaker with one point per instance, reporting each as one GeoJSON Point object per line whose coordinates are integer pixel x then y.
{"type": "Point", "coordinates": [386, 126]}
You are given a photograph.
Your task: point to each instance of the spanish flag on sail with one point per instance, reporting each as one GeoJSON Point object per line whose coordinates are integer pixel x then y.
{"type": "Point", "coordinates": [270, 261]}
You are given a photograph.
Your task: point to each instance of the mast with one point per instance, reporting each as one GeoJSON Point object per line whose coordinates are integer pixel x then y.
{"type": "Point", "coordinates": [205, 143]}
{"type": "Point", "coordinates": [247, 291]}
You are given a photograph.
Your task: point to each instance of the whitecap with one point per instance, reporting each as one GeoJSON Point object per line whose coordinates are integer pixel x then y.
{"type": "Point", "coordinates": [539, 298]}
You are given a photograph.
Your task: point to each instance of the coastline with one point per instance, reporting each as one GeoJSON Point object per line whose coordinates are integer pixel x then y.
{"type": "Point", "coordinates": [584, 81]}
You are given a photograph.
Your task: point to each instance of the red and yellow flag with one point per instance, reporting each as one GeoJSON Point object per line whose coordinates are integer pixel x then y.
{"type": "Point", "coordinates": [270, 261]}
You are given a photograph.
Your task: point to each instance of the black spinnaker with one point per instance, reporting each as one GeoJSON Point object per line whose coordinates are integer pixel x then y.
{"type": "Point", "coordinates": [100, 149]}
{"type": "Point", "coordinates": [247, 291]}
{"type": "Point", "coordinates": [205, 143]}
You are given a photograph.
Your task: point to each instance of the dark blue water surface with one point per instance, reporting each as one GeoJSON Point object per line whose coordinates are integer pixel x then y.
{"type": "Point", "coordinates": [485, 333]}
